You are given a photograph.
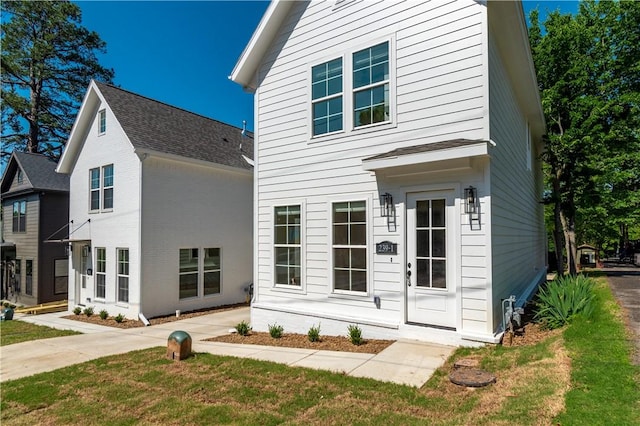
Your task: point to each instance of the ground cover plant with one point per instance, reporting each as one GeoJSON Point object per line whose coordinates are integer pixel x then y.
{"type": "Point", "coordinates": [19, 331]}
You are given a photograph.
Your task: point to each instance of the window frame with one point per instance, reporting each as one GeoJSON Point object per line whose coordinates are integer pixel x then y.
{"type": "Point", "coordinates": [100, 191]}
{"type": "Point", "coordinates": [371, 85]}
{"type": "Point", "coordinates": [348, 104]}
{"type": "Point", "coordinates": [102, 121]}
{"type": "Point", "coordinates": [334, 292]}
{"type": "Point", "coordinates": [57, 288]}
{"type": "Point", "coordinates": [328, 97]}
{"type": "Point", "coordinates": [288, 245]}
{"type": "Point", "coordinates": [206, 271]}
{"type": "Point", "coordinates": [122, 275]}
{"type": "Point", "coordinates": [101, 273]}
{"type": "Point", "coordinates": [186, 273]}
{"type": "Point", "coordinates": [19, 216]}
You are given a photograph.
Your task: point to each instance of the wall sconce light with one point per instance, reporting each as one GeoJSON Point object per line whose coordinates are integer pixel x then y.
{"type": "Point", "coordinates": [471, 198]}
{"type": "Point", "coordinates": [386, 205]}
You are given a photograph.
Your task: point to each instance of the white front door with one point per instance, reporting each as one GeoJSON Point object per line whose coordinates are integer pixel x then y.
{"type": "Point", "coordinates": [430, 270]}
{"type": "Point", "coordinates": [80, 265]}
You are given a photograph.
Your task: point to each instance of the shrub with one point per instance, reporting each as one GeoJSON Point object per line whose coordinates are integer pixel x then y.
{"type": "Point", "coordinates": [119, 318]}
{"type": "Point", "coordinates": [275, 331]}
{"type": "Point", "coordinates": [564, 298]}
{"type": "Point", "coordinates": [88, 311]}
{"type": "Point", "coordinates": [243, 328]}
{"type": "Point", "coordinates": [77, 310]}
{"type": "Point", "coordinates": [355, 334]}
{"type": "Point", "coordinates": [104, 314]}
{"type": "Point", "coordinates": [314, 333]}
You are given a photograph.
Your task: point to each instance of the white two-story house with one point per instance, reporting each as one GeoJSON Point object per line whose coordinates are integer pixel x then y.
{"type": "Point", "coordinates": [397, 178]}
{"type": "Point", "coordinates": [160, 207]}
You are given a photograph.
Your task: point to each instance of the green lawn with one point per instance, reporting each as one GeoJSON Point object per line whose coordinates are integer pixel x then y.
{"type": "Point", "coordinates": [581, 376]}
{"type": "Point", "coordinates": [17, 331]}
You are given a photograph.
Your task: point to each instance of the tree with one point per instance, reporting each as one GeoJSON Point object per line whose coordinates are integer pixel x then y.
{"type": "Point", "coordinates": [47, 61]}
{"type": "Point", "coordinates": [589, 75]}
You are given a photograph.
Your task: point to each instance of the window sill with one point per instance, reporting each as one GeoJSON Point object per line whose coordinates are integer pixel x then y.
{"type": "Point", "coordinates": [351, 295]}
{"type": "Point", "coordinates": [284, 288]}
{"type": "Point", "coordinates": [354, 132]}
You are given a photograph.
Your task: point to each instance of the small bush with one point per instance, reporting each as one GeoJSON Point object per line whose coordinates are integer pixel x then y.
{"type": "Point", "coordinates": [275, 331]}
{"type": "Point", "coordinates": [243, 328]}
{"type": "Point", "coordinates": [355, 334]}
{"type": "Point", "coordinates": [119, 318]}
{"type": "Point", "coordinates": [564, 298]}
{"type": "Point", "coordinates": [314, 333]}
{"type": "Point", "coordinates": [77, 310]}
{"type": "Point", "coordinates": [88, 311]}
{"type": "Point", "coordinates": [104, 314]}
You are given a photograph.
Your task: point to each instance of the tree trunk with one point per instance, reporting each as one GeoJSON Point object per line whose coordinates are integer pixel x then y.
{"type": "Point", "coordinates": [569, 228]}
{"type": "Point", "coordinates": [557, 226]}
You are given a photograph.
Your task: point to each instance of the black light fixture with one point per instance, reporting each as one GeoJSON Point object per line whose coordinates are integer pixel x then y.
{"type": "Point", "coordinates": [471, 199]}
{"type": "Point", "coordinates": [386, 205]}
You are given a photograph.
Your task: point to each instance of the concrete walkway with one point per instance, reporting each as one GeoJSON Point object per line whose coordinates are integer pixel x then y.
{"type": "Point", "coordinates": [404, 362]}
{"type": "Point", "coordinates": [624, 280]}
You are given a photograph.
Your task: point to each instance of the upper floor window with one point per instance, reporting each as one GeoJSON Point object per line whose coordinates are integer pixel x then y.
{"type": "Point", "coordinates": [102, 121]}
{"type": "Point", "coordinates": [371, 85]}
{"type": "Point", "coordinates": [326, 81]}
{"type": "Point", "coordinates": [20, 176]}
{"type": "Point", "coordinates": [20, 216]}
{"type": "Point", "coordinates": [101, 188]}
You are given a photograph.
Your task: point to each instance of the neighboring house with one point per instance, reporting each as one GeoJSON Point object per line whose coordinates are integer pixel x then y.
{"type": "Point", "coordinates": [398, 181]}
{"type": "Point", "coordinates": [161, 207]}
{"type": "Point", "coordinates": [35, 204]}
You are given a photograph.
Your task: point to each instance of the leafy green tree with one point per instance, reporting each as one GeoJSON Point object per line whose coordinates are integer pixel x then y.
{"type": "Point", "coordinates": [48, 59]}
{"type": "Point", "coordinates": [589, 75]}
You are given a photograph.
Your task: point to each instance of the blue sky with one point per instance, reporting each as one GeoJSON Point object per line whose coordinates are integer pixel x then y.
{"type": "Point", "coordinates": [181, 53]}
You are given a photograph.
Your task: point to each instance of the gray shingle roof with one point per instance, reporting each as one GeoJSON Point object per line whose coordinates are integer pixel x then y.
{"type": "Point", "coordinates": [417, 149]}
{"type": "Point", "coordinates": [159, 127]}
{"type": "Point", "coordinates": [39, 170]}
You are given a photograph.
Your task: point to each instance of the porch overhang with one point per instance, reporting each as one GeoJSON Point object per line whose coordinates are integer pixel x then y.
{"type": "Point", "coordinates": [427, 153]}
{"type": "Point", "coordinates": [70, 240]}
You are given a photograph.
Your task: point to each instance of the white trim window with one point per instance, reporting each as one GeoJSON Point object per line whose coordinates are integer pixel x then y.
{"type": "Point", "coordinates": [188, 273]}
{"type": "Point", "coordinates": [349, 246]}
{"type": "Point", "coordinates": [287, 246]}
{"type": "Point", "coordinates": [102, 121]}
{"type": "Point", "coordinates": [326, 95]}
{"type": "Point", "coordinates": [123, 275]}
{"type": "Point", "coordinates": [19, 216]}
{"type": "Point", "coordinates": [371, 85]}
{"type": "Point", "coordinates": [212, 271]}
{"type": "Point", "coordinates": [107, 187]}
{"type": "Point", "coordinates": [101, 190]}
{"type": "Point", "coordinates": [195, 267]}
{"type": "Point", "coordinates": [101, 272]}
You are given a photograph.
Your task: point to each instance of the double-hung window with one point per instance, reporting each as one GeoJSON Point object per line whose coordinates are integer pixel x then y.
{"type": "Point", "coordinates": [188, 273]}
{"type": "Point", "coordinates": [123, 275]}
{"type": "Point", "coordinates": [101, 272]}
{"type": "Point", "coordinates": [287, 245]}
{"type": "Point", "coordinates": [211, 271]}
{"type": "Point", "coordinates": [101, 188]}
{"type": "Point", "coordinates": [371, 85]}
{"type": "Point", "coordinates": [350, 246]}
{"type": "Point", "coordinates": [20, 216]}
{"type": "Point", "coordinates": [326, 94]}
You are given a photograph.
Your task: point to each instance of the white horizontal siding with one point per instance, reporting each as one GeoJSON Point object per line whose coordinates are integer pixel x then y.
{"type": "Point", "coordinates": [518, 237]}
{"type": "Point", "coordinates": [439, 93]}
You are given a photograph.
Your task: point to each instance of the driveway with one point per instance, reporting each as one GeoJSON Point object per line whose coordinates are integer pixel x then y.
{"type": "Point", "coordinates": [624, 280]}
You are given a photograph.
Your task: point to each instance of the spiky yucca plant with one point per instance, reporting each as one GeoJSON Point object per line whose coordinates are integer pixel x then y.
{"type": "Point", "coordinates": [562, 299]}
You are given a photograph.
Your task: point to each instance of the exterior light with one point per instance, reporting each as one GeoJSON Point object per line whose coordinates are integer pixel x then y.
{"type": "Point", "coordinates": [386, 205]}
{"type": "Point", "coordinates": [471, 200]}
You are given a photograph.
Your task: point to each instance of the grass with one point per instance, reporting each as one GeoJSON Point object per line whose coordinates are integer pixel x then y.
{"type": "Point", "coordinates": [19, 331]}
{"type": "Point", "coordinates": [605, 386]}
{"type": "Point", "coordinates": [581, 376]}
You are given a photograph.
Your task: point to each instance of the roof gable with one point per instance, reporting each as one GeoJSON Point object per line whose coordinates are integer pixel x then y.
{"type": "Point", "coordinates": [39, 174]}
{"type": "Point", "coordinates": [158, 128]}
